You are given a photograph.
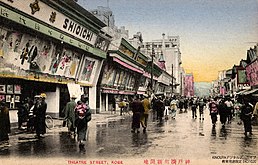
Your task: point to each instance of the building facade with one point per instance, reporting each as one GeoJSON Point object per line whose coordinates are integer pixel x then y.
{"type": "Point", "coordinates": [45, 46]}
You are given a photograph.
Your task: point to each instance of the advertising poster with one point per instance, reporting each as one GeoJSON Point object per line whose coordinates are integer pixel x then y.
{"type": "Point", "coordinates": [204, 120]}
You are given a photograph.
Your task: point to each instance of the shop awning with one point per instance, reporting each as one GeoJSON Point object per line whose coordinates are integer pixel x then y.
{"type": "Point", "coordinates": [127, 65]}
{"type": "Point", "coordinates": [250, 91]}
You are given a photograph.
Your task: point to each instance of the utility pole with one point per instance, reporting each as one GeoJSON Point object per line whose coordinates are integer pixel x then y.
{"type": "Point", "coordinates": [172, 85]}
{"type": "Point", "coordinates": [152, 55]}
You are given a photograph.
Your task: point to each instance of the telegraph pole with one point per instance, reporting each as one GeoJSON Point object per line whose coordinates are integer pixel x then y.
{"type": "Point", "coordinates": [172, 74]}
{"type": "Point", "coordinates": [152, 55]}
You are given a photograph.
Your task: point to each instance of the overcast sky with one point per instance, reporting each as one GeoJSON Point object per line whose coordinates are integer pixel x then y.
{"type": "Point", "coordinates": [214, 34]}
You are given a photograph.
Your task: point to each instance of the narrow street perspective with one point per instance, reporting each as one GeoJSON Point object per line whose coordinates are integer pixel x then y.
{"type": "Point", "coordinates": [128, 82]}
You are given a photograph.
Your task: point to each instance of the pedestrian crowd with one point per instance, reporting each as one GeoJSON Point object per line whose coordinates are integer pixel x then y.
{"type": "Point", "coordinates": [32, 118]}
{"type": "Point", "coordinates": [32, 113]}
{"type": "Point", "coordinates": [226, 108]}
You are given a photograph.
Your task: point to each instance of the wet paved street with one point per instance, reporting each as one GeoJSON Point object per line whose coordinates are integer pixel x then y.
{"type": "Point", "coordinates": [183, 139]}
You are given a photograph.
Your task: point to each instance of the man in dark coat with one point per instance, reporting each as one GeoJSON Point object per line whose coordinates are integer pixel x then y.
{"type": "Point", "coordinates": [40, 115]}
{"type": "Point", "coordinates": [246, 114]}
{"type": "Point", "coordinates": [5, 126]}
{"type": "Point", "coordinates": [223, 113]}
{"type": "Point", "coordinates": [160, 108]}
{"type": "Point", "coordinates": [23, 112]}
{"type": "Point", "coordinates": [138, 110]}
{"type": "Point", "coordinates": [70, 115]}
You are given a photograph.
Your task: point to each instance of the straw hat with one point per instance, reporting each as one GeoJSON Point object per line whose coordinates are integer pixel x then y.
{"type": "Point", "coordinates": [43, 95]}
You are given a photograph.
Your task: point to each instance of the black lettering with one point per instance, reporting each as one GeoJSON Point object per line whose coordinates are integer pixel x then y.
{"type": "Point", "coordinates": [84, 33]}
{"type": "Point", "coordinates": [65, 23]}
{"type": "Point", "coordinates": [81, 32]}
{"type": "Point", "coordinates": [78, 30]}
{"type": "Point", "coordinates": [70, 28]}
{"type": "Point", "coordinates": [88, 37]}
{"type": "Point", "coordinates": [75, 25]}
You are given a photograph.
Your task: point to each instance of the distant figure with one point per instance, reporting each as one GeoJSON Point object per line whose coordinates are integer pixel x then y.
{"type": "Point", "coordinates": [173, 107]}
{"type": "Point", "coordinates": [201, 105]}
{"type": "Point", "coordinates": [160, 108]}
{"type": "Point", "coordinates": [146, 106]}
{"type": "Point", "coordinates": [223, 112]}
{"type": "Point", "coordinates": [5, 126]}
{"type": "Point", "coordinates": [230, 108]}
{"type": "Point", "coordinates": [194, 105]}
{"type": "Point", "coordinates": [122, 105]}
{"type": "Point", "coordinates": [213, 111]}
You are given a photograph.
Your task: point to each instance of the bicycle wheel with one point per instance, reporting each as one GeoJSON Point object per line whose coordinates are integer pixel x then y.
{"type": "Point", "coordinates": [49, 122]}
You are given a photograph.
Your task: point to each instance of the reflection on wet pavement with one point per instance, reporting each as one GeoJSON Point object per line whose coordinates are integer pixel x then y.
{"type": "Point", "coordinates": [181, 137]}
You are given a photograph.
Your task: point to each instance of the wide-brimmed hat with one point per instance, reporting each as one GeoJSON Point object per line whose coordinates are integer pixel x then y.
{"type": "Point", "coordinates": [43, 95]}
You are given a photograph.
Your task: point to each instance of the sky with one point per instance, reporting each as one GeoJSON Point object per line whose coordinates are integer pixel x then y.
{"type": "Point", "coordinates": [214, 34]}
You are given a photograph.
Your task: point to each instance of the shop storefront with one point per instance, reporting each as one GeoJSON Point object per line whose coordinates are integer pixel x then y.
{"type": "Point", "coordinates": [122, 73]}
{"type": "Point", "coordinates": [44, 50]}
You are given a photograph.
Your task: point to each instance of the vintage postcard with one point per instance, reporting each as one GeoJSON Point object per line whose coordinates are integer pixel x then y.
{"type": "Point", "coordinates": [128, 82]}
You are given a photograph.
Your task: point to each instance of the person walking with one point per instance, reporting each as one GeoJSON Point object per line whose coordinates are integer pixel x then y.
{"type": "Point", "coordinates": [138, 110]}
{"type": "Point", "coordinates": [40, 115]}
{"type": "Point", "coordinates": [70, 115]}
{"type": "Point", "coordinates": [223, 112]}
{"type": "Point", "coordinates": [237, 111]}
{"type": "Point", "coordinates": [213, 111]}
{"type": "Point", "coordinates": [23, 113]}
{"type": "Point", "coordinates": [193, 105]}
{"type": "Point", "coordinates": [229, 107]}
{"type": "Point", "coordinates": [160, 108]}
{"type": "Point", "coordinates": [146, 106]}
{"type": "Point", "coordinates": [181, 104]}
{"type": "Point", "coordinates": [154, 108]}
{"type": "Point", "coordinates": [5, 126]}
{"type": "Point", "coordinates": [167, 107]}
{"type": "Point", "coordinates": [201, 106]}
{"type": "Point", "coordinates": [186, 104]}
{"type": "Point", "coordinates": [122, 106]}
{"type": "Point", "coordinates": [82, 117]}
{"type": "Point", "coordinates": [173, 107]}
{"type": "Point", "coordinates": [246, 114]}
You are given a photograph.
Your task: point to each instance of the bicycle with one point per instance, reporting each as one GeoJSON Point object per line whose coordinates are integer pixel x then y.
{"type": "Point", "coordinates": [49, 122]}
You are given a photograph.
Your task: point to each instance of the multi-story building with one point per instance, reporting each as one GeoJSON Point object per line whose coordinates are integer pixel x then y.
{"type": "Point", "coordinates": [170, 48]}
{"type": "Point", "coordinates": [50, 46]}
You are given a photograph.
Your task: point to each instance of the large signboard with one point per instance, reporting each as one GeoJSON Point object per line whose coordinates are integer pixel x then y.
{"type": "Point", "coordinates": [251, 73]}
{"type": "Point", "coordinates": [45, 13]}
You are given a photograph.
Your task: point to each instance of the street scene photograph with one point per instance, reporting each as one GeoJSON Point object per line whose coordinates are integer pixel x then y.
{"type": "Point", "coordinates": [129, 82]}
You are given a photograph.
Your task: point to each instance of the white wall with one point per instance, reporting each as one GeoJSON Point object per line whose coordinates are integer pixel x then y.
{"type": "Point", "coordinates": [92, 98]}
{"type": "Point", "coordinates": [53, 101]}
